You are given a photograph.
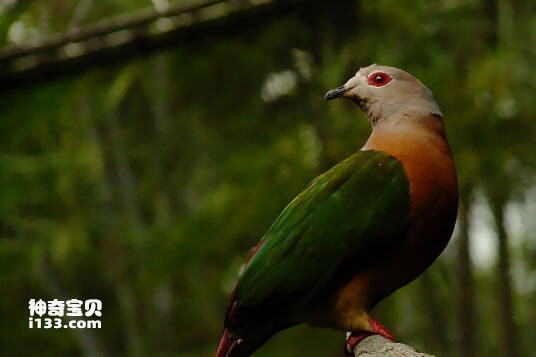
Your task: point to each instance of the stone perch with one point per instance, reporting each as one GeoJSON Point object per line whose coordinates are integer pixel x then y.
{"type": "Point", "coordinates": [378, 346]}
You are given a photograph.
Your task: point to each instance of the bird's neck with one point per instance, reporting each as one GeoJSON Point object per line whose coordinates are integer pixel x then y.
{"type": "Point", "coordinates": [421, 106]}
{"type": "Point", "coordinates": [408, 131]}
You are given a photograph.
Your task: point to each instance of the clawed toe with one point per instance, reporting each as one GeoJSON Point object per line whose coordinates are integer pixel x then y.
{"type": "Point", "coordinates": [352, 339]}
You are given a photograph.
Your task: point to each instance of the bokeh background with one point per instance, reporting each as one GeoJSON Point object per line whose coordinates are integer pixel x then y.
{"type": "Point", "coordinates": [147, 145]}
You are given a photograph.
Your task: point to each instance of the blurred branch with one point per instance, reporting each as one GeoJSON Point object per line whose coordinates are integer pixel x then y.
{"type": "Point", "coordinates": [141, 32]}
{"type": "Point", "coordinates": [101, 29]}
{"type": "Point", "coordinates": [378, 346]}
{"type": "Point", "coordinates": [80, 13]}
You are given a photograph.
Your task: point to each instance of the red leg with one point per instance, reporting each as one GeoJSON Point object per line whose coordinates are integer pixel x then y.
{"type": "Point", "coordinates": [380, 330]}
{"type": "Point", "coordinates": [355, 337]}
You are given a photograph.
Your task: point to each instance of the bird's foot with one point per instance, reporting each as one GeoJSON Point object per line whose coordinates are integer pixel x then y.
{"type": "Point", "coordinates": [353, 338]}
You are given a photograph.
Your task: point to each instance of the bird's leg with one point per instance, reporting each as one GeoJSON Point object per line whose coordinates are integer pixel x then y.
{"type": "Point", "coordinates": [380, 330]}
{"type": "Point", "coordinates": [353, 338]}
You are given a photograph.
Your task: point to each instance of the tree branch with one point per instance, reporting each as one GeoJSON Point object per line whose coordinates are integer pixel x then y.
{"type": "Point", "coordinates": [114, 39]}
{"type": "Point", "coordinates": [103, 28]}
{"type": "Point", "coordinates": [378, 346]}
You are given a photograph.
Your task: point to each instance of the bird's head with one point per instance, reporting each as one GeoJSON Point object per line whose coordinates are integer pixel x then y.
{"type": "Point", "coordinates": [387, 93]}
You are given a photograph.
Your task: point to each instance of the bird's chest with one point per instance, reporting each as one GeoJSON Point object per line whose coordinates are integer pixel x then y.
{"type": "Point", "coordinates": [430, 170]}
{"type": "Point", "coordinates": [433, 199]}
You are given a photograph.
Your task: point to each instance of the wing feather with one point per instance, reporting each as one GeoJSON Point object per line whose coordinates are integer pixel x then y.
{"type": "Point", "coordinates": [339, 222]}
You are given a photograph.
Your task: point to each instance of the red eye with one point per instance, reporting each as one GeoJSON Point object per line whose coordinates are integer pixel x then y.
{"type": "Point", "coordinates": [379, 79]}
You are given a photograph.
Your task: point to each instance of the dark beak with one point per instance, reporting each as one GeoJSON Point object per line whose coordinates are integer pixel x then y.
{"type": "Point", "coordinates": [337, 92]}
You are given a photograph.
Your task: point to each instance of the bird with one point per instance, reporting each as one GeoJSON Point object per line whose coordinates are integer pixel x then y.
{"type": "Point", "coordinates": [358, 232]}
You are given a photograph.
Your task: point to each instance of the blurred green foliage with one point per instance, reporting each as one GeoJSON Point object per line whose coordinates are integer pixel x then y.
{"type": "Point", "coordinates": [145, 183]}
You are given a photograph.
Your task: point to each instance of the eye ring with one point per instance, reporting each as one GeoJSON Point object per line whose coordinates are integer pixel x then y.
{"type": "Point", "coordinates": [379, 79]}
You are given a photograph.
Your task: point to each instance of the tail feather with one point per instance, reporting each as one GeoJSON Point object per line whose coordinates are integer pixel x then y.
{"type": "Point", "coordinates": [227, 344]}
{"type": "Point", "coordinates": [243, 337]}
{"type": "Point", "coordinates": [233, 345]}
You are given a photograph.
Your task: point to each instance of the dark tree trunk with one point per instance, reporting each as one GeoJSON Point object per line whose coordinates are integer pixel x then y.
{"type": "Point", "coordinates": [490, 14]}
{"type": "Point", "coordinates": [437, 316]}
{"type": "Point", "coordinates": [509, 335]}
{"type": "Point", "coordinates": [466, 288]}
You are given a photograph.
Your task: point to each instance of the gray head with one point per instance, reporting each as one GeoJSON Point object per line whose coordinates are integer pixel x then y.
{"type": "Point", "coordinates": [386, 92]}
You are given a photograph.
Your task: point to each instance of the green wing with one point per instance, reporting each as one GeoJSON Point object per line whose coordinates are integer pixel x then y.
{"type": "Point", "coordinates": [349, 214]}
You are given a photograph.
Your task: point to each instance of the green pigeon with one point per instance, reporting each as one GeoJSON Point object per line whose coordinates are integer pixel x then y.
{"type": "Point", "coordinates": [358, 232]}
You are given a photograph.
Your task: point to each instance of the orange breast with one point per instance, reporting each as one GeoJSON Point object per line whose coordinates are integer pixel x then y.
{"type": "Point", "coordinates": [422, 149]}
{"type": "Point", "coordinates": [425, 154]}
